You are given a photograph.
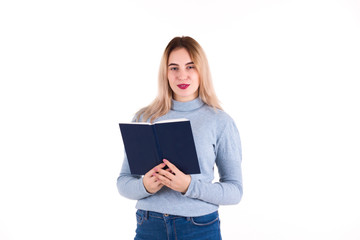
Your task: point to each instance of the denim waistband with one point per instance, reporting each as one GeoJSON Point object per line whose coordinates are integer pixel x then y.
{"type": "Point", "coordinates": [148, 214]}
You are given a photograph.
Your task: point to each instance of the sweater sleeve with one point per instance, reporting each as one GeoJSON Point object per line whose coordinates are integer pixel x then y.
{"type": "Point", "coordinates": [130, 186]}
{"type": "Point", "coordinates": [229, 189]}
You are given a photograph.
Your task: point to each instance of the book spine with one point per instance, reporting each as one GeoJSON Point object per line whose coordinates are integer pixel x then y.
{"type": "Point", "coordinates": [159, 152]}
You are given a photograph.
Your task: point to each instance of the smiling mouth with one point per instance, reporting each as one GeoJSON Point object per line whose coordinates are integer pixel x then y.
{"type": "Point", "coordinates": [183, 86]}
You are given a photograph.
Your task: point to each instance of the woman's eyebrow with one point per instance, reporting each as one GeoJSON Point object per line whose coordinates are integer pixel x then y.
{"type": "Point", "coordinates": [175, 64]}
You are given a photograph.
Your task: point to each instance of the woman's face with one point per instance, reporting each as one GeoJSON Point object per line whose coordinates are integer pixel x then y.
{"type": "Point", "coordinates": [183, 76]}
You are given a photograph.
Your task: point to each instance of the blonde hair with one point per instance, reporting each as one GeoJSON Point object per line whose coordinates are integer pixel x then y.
{"type": "Point", "coordinates": [162, 103]}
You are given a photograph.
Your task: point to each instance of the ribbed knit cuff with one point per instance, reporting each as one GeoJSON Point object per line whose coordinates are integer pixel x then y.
{"type": "Point", "coordinates": [142, 188]}
{"type": "Point", "coordinates": [190, 189]}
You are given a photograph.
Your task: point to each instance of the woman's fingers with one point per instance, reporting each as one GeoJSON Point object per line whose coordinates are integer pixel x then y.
{"type": "Point", "coordinates": [173, 178]}
{"type": "Point", "coordinates": [172, 167]}
{"type": "Point", "coordinates": [154, 170]}
{"type": "Point", "coordinates": [166, 173]}
{"type": "Point", "coordinates": [164, 180]}
{"type": "Point", "coordinates": [151, 183]}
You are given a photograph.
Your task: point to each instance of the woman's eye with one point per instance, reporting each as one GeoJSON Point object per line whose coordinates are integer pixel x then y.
{"type": "Point", "coordinates": [191, 67]}
{"type": "Point", "coordinates": [173, 68]}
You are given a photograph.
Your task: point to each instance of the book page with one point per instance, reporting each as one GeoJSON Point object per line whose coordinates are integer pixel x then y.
{"type": "Point", "coordinates": [140, 123]}
{"type": "Point", "coordinates": [173, 120]}
{"type": "Point", "coordinates": [163, 121]}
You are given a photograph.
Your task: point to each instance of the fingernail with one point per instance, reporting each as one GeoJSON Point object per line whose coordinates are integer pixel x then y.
{"type": "Point", "coordinates": [156, 169]}
{"type": "Point", "coordinates": [164, 160]}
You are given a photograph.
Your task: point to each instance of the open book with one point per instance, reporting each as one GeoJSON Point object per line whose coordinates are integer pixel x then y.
{"type": "Point", "coordinates": [147, 144]}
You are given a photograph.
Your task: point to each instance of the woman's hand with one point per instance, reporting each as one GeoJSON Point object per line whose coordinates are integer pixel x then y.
{"type": "Point", "coordinates": [173, 178]}
{"type": "Point", "coordinates": [151, 183]}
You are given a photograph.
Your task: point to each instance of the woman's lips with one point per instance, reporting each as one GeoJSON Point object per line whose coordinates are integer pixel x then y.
{"type": "Point", "coordinates": [183, 86]}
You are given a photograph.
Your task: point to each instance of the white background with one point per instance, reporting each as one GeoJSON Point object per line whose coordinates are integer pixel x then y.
{"type": "Point", "coordinates": [286, 71]}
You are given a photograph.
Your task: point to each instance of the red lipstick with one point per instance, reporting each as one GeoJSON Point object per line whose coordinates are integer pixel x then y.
{"type": "Point", "coordinates": [183, 86]}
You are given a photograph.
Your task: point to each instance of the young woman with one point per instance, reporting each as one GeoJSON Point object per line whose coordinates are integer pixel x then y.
{"type": "Point", "coordinates": [171, 204]}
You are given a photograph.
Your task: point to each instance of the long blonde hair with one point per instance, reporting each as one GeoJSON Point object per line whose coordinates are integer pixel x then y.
{"type": "Point", "coordinates": [162, 103]}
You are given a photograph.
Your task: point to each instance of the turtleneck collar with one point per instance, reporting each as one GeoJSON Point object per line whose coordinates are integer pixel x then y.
{"type": "Point", "coordinates": [187, 106]}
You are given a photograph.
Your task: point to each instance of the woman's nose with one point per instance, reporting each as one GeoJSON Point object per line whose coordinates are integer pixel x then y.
{"type": "Point", "coordinates": [182, 75]}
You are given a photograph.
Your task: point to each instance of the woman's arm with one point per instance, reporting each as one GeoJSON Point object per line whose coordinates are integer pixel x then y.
{"type": "Point", "coordinates": [229, 189]}
{"type": "Point", "coordinates": [131, 186]}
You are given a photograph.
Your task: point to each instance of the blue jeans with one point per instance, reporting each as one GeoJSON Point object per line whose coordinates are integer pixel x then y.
{"type": "Point", "coordinates": [157, 226]}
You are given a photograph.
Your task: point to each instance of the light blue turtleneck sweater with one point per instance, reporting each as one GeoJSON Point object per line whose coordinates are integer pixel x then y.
{"type": "Point", "coordinates": [217, 142]}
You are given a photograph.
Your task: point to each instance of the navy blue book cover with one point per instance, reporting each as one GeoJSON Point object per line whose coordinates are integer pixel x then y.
{"type": "Point", "coordinates": [146, 145]}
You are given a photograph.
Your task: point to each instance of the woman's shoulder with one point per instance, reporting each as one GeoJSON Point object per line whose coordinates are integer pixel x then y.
{"type": "Point", "coordinates": [222, 123]}
{"type": "Point", "coordinates": [139, 116]}
{"type": "Point", "coordinates": [218, 117]}
{"type": "Point", "coordinates": [217, 114]}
